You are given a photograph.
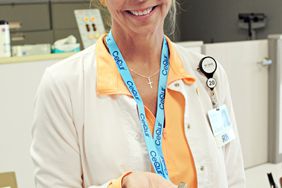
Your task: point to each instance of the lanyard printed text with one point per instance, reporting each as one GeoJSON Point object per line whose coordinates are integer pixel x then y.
{"type": "Point", "coordinates": [153, 144]}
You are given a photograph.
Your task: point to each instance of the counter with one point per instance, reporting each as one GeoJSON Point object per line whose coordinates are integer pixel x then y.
{"type": "Point", "coordinates": [257, 176]}
{"type": "Point", "coordinates": [10, 60]}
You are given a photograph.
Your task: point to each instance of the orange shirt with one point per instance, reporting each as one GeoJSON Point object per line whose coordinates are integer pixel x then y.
{"type": "Point", "coordinates": [177, 154]}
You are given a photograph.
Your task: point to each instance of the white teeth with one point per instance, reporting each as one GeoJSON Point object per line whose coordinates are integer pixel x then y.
{"type": "Point", "coordinates": [141, 13]}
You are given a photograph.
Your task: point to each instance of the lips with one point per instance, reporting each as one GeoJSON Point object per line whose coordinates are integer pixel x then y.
{"type": "Point", "coordinates": [143, 12]}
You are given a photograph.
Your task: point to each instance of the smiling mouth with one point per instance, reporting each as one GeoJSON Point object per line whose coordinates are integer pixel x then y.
{"type": "Point", "coordinates": [141, 12]}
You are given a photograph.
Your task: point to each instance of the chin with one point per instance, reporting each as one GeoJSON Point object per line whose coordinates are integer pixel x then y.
{"type": "Point", "coordinates": [156, 28]}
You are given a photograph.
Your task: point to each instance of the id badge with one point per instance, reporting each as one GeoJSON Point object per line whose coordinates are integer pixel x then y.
{"type": "Point", "coordinates": [221, 125]}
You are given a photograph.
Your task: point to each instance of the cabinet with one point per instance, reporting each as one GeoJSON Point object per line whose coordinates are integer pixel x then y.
{"type": "Point", "coordinates": [30, 17]}
{"type": "Point", "coordinates": [32, 37]}
{"type": "Point", "coordinates": [63, 19]}
{"type": "Point", "coordinates": [63, 14]}
{"type": "Point", "coordinates": [41, 21]}
{"type": "Point", "coordinates": [31, 22]}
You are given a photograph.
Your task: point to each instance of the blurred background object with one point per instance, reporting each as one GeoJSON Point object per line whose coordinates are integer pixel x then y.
{"type": "Point", "coordinates": [5, 46]}
{"type": "Point", "coordinates": [252, 22]}
{"type": "Point", "coordinates": [66, 45]}
{"type": "Point", "coordinates": [8, 180]}
{"type": "Point", "coordinates": [90, 24]}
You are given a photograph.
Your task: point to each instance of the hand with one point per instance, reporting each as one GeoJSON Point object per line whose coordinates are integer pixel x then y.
{"type": "Point", "coordinates": [146, 180]}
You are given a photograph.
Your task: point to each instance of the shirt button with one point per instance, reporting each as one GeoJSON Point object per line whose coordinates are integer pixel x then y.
{"type": "Point", "coordinates": [197, 91]}
{"type": "Point", "coordinates": [188, 126]}
{"type": "Point", "coordinates": [202, 168]}
{"type": "Point", "coordinates": [138, 137]}
{"type": "Point", "coordinates": [176, 84]}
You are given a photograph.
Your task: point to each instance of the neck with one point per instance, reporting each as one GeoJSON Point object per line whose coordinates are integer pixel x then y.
{"type": "Point", "coordinates": [139, 49]}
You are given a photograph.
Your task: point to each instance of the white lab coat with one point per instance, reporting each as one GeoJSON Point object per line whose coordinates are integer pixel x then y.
{"type": "Point", "coordinates": [84, 140]}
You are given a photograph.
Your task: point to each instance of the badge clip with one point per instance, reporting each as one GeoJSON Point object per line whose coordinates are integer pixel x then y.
{"type": "Point", "coordinates": [208, 67]}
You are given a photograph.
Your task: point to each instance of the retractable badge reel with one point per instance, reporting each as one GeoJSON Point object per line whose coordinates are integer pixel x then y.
{"type": "Point", "coordinates": [208, 67]}
{"type": "Point", "coordinates": [219, 117]}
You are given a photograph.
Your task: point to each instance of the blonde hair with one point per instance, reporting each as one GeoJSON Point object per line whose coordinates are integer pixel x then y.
{"type": "Point", "coordinates": [170, 19]}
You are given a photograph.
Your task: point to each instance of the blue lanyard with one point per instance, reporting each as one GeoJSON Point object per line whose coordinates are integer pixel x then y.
{"type": "Point", "coordinates": [154, 145]}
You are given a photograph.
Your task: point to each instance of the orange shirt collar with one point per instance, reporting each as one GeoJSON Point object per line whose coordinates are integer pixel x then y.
{"type": "Point", "coordinates": [109, 80]}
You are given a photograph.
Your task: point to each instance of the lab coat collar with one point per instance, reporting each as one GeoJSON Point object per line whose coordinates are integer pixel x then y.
{"type": "Point", "coordinates": [109, 81]}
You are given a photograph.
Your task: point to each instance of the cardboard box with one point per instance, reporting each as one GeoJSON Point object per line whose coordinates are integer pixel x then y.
{"type": "Point", "coordinates": [8, 180]}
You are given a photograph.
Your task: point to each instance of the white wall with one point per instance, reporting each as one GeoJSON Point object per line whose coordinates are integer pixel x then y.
{"type": "Point", "coordinates": [249, 90]}
{"type": "Point", "coordinates": [18, 83]}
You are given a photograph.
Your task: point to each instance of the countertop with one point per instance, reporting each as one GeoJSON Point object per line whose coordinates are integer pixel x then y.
{"type": "Point", "coordinates": [10, 60]}
{"type": "Point", "coordinates": [257, 176]}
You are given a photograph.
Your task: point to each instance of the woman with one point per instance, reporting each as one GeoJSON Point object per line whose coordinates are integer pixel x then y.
{"type": "Point", "coordinates": [131, 112]}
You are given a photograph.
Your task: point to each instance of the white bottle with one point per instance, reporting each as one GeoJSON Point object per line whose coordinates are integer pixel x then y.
{"type": "Point", "coordinates": [5, 41]}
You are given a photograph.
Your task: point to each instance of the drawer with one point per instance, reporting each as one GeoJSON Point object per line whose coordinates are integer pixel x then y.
{"type": "Point", "coordinates": [21, 38]}
{"type": "Point", "coordinates": [63, 33]}
{"type": "Point", "coordinates": [63, 14]}
{"type": "Point", "coordinates": [28, 17]}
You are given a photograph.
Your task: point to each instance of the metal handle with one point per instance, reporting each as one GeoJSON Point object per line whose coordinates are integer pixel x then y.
{"type": "Point", "coordinates": [265, 62]}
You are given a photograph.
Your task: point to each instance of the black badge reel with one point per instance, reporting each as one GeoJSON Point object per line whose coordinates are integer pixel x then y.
{"type": "Point", "coordinates": [208, 67]}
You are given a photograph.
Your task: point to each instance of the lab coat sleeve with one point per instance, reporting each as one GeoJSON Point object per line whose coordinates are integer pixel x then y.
{"type": "Point", "coordinates": [55, 149]}
{"type": "Point", "coordinates": [233, 154]}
